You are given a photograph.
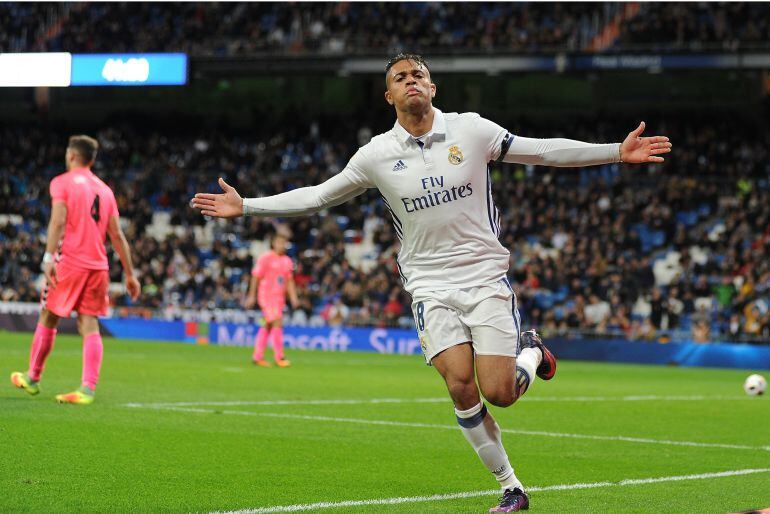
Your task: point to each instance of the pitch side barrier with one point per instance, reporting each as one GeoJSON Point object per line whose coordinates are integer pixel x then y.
{"type": "Point", "coordinates": [406, 342]}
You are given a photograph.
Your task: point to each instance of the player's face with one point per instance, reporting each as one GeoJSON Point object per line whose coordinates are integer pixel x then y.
{"type": "Point", "coordinates": [409, 87]}
{"type": "Point", "coordinates": [279, 245]}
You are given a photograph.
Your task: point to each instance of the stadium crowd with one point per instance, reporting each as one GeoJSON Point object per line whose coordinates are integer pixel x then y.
{"type": "Point", "coordinates": [701, 26]}
{"type": "Point", "coordinates": [342, 28]}
{"type": "Point", "coordinates": [652, 252]}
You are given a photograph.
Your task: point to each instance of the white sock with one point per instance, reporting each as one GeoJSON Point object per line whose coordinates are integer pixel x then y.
{"type": "Point", "coordinates": [529, 359]}
{"type": "Point", "coordinates": [481, 430]}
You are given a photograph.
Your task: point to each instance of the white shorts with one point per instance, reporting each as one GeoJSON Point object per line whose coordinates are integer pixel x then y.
{"type": "Point", "coordinates": [487, 316]}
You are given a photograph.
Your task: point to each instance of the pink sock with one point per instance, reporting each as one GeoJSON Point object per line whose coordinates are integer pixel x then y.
{"type": "Point", "coordinates": [92, 359]}
{"type": "Point", "coordinates": [277, 334]}
{"type": "Point", "coordinates": [42, 344]}
{"type": "Point", "coordinates": [260, 344]}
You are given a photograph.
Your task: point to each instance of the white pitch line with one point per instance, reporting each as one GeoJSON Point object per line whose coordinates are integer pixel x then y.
{"type": "Point", "coordinates": [237, 403]}
{"type": "Point", "coordinates": [475, 494]}
{"type": "Point", "coordinates": [454, 427]}
{"type": "Point", "coordinates": [291, 402]}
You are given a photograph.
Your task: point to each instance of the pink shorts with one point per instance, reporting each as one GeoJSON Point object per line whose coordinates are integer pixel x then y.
{"type": "Point", "coordinates": [83, 291]}
{"type": "Point", "coordinates": [272, 311]}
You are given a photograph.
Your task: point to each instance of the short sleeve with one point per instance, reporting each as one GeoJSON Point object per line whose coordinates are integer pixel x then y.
{"type": "Point", "coordinates": [496, 139]}
{"type": "Point", "coordinates": [358, 170]}
{"type": "Point", "coordinates": [58, 190]}
{"type": "Point", "coordinates": [259, 268]}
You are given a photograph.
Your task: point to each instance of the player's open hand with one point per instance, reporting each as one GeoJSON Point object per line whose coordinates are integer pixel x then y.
{"type": "Point", "coordinates": [49, 269]}
{"type": "Point", "coordinates": [250, 302]}
{"type": "Point", "coordinates": [226, 205]}
{"type": "Point", "coordinates": [637, 149]}
{"type": "Point", "coordinates": [133, 287]}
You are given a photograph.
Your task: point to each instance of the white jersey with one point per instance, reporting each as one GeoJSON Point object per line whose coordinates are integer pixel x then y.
{"type": "Point", "coordinates": [438, 190]}
{"type": "Point", "coordinates": [439, 194]}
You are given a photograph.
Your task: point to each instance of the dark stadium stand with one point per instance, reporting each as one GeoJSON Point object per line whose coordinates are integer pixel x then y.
{"type": "Point", "coordinates": [238, 29]}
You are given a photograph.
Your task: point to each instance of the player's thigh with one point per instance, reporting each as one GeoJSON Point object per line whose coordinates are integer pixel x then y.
{"type": "Point", "coordinates": [496, 375]}
{"type": "Point", "coordinates": [95, 300]}
{"type": "Point", "coordinates": [438, 326]}
{"type": "Point", "coordinates": [455, 365]}
{"type": "Point", "coordinates": [65, 297]}
{"type": "Point", "coordinates": [493, 322]}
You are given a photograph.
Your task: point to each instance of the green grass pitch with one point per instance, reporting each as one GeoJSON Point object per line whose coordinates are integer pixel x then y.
{"type": "Point", "coordinates": [280, 442]}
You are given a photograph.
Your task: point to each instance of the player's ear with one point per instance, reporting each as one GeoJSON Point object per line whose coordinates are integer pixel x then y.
{"type": "Point", "coordinates": [432, 90]}
{"type": "Point", "coordinates": [388, 97]}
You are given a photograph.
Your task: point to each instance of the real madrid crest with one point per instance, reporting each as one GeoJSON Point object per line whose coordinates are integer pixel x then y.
{"type": "Point", "coordinates": [455, 155]}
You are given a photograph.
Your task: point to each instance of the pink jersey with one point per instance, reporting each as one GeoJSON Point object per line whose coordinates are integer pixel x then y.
{"type": "Point", "coordinates": [273, 272]}
{"type": "Point", "coordinates": [90, 204]}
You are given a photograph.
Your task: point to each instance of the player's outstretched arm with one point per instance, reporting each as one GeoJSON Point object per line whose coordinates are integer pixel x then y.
{"type": "Point", "coordinates": [561, 152]}
{"type": "Point", "coordinates": [120, 244]}
{"type": "Point", "coordinates": [299, 202]}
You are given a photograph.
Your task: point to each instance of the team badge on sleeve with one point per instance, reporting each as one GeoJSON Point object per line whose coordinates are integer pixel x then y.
{"type": "Point", "coordinates": [455, 155]}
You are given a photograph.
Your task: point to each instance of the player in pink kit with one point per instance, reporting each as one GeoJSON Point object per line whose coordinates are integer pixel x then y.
{"type": "Point", "coordinates": [76, 269]}
{"type": "Point", "coordinates": [271, 278]}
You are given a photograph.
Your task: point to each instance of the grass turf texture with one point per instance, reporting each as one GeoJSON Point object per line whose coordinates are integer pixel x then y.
{"type": "Point", "coordinates": [108, 457]}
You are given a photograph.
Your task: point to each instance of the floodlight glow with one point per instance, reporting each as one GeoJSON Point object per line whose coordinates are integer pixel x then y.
{"type": "Point", "coordinates": [35, 69]}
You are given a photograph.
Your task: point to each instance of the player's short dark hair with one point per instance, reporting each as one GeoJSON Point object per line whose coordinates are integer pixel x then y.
{"type": "Point", "coordinates": [406, 56]}
{"type": "Point", "coordinates": [84, 146]}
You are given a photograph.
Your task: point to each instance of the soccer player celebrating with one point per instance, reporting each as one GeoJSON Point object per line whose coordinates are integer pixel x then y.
{"type": "Point", "coordinates": [431, 169]}
{"type": "Point", "coordinates": [271, 278]}
{"type": "Point", "coordinates": [76, 269]}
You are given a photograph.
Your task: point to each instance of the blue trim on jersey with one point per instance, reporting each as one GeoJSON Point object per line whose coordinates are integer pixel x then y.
{"type": "Point", "coordinates": [398, 231]}
{"type": "Point", "coordinates": [505, 145]}
{"type": "Point", "coordinates": [396, 222]}
{"type": "Point", "coordinates": [475, 420]}
{"type": "Point", "coordinates": [395, 218]}
{"type": "Point", "coordinates": [494, 215]}
{"type": "Point", "coordinates": [516, 315]}
{"type": "Point", "coordinates": [401, 272]}
{"type": "Point", "coordinates": [517, 322]}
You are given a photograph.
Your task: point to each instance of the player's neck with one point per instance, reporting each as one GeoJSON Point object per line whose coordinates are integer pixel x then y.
{"type": "Point", "coordinates": [416, 123]}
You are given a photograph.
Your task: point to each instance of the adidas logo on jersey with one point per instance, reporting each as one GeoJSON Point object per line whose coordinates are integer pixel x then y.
{"type": "Point", "coordinates": [400, 166]}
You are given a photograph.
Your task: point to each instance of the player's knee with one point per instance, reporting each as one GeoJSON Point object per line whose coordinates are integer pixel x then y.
{"type": "Point", "coordinates": [463, 393]}
{"type": "Point", "coordinates": [48, 319]}
{"type": "Point", "coordinates": [500, 397]}
{"type": "Point", "coordinates": [87, 325]}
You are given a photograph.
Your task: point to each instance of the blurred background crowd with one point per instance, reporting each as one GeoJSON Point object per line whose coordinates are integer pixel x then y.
{"type": "Point", "coordinates": [637, 251]}
{"type": "Point", "coordinates": [242, 28]}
